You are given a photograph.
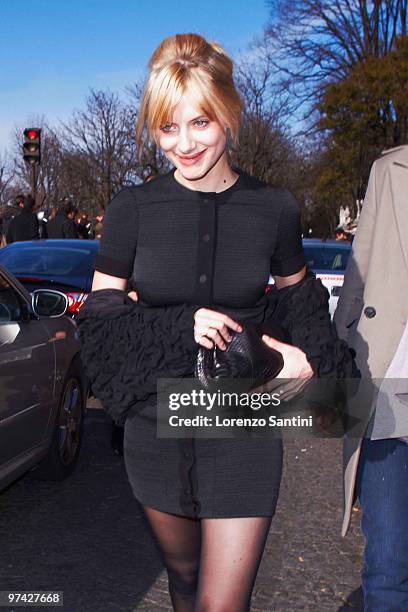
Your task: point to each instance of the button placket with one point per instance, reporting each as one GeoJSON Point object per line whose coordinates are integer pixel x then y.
{"type": "Point", "coordinates": [205, 251]}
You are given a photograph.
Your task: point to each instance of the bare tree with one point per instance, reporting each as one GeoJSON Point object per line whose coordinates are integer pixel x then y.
{"type": "Point", "coordinates": [99, 134]}
{"type": "Point", "coordinates": [6, 178]}
{"type": "Point", "coordinates": [312, 42]}
{"type": "Point", "coordinates": [266, 149]}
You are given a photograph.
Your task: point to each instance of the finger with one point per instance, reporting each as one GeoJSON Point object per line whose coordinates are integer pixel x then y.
{"type": "Point", "coordinates": [213, 318]}
{"type": "Point", "coordinates": [133, 295]}
{"type": "Point", "coordinates": [203, 341]}
{"type": "Point", "coordinates": [275, 344]}
{"type": "Point", "coordinates": [210, 330]}
{"type": "Point", "coordinates": [232, 324]}
{"type": "Point", "coordinates": [216, 337]}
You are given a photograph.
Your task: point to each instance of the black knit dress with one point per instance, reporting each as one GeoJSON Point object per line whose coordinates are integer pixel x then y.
{"type": "Point", "coordinates": [183, 250]}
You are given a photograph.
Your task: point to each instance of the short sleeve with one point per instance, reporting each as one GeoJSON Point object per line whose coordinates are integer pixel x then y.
{"type": "Point", "coordinates": [119, 233]}
{"type": "Point", "coordinates": [288, 257]}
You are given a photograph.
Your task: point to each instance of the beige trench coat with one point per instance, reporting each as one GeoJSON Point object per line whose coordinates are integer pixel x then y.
{"type": "Point", "coordinates": [376, 278]}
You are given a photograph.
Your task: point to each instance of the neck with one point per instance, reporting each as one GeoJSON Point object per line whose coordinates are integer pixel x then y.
{"type": "Point", "coordinates": [220, 177]}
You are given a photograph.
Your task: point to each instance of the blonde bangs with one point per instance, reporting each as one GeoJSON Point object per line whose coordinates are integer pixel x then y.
{"type": "Point", "coordinates": [210, 99]}
{"type": "Point", "coordinates": [165, 92]}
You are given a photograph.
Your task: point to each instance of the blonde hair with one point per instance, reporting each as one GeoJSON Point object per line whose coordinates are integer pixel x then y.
{"type": "Point", "coordinates": [188, 62]}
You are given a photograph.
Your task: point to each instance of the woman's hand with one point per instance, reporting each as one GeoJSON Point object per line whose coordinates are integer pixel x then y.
{"type": "Point", "coordinates": [211, 327]}
{"type": "Point", "coordinates": [296, 369]}
{"type": "Point", "coordinates": [295, 363]}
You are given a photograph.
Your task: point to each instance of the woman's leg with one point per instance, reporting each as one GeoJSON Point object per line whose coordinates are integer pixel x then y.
{"type": "Point", "coordinates": [179, 539]}
{"type": "Point", "coordinates": [231, 551]}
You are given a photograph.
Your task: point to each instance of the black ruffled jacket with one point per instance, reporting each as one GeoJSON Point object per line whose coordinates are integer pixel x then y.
{"type": "Point", "coordinates": [126, 347]}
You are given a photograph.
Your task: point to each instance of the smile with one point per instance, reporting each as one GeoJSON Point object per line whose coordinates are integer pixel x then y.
{"type": "Point", "coordinates": [191, 159]}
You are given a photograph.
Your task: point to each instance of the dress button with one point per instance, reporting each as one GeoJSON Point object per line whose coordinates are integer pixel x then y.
{"type": "Point", "coordinates": [205, 200]}
{"type": "Point", "coordinates": [370, 312]}
{"type": "Point", "coordinates": [203, 279]}
{"type": "Point", "coordinates": [206, 237]}
{"type": "Point", "coordinates": [186, 455]}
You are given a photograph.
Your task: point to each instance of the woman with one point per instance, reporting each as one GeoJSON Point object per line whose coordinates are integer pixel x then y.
{"type": "Point", "coordinates": [198, 244]}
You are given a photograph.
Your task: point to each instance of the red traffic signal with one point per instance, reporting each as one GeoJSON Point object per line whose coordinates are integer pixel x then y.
{"type": "Point", "coordinates": [32, 146]}
{"type": "Point", "coordinates": [32, 134]}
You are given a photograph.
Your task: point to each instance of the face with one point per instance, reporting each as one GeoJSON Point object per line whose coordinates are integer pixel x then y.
{"type": "Point", "coordinates": [192, 142]}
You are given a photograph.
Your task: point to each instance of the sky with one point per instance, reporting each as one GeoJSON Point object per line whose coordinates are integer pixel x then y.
{"type": "Point", "coordinates": [53, 51]}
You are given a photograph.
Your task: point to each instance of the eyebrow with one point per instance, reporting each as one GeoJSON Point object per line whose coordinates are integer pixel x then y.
{"type": "Point", "coordinates": [202, 116]}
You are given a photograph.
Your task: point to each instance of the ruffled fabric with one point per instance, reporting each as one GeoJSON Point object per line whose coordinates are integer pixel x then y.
{"type": "Point", "coordinates": [126, 347]}
{"type": "Point", "coordinates": [303, 310]}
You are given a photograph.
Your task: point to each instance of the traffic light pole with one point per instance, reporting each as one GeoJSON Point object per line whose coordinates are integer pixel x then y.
{"type": "Point", "coordinates": [33, 181]}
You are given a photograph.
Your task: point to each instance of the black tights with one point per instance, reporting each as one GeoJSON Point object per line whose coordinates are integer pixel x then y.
{"type": "Point", "coordinates": [211, 563]}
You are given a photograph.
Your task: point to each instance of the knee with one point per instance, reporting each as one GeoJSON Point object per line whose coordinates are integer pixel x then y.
{"type": "Point", "coordinates": [184, 580]}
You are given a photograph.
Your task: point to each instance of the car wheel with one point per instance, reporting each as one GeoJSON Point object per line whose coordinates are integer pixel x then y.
{"type": "Point", "coordinates": [67, 435]}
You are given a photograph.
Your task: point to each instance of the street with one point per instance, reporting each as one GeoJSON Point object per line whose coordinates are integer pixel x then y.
{"type": "Point", "coordinates": [87, 536]}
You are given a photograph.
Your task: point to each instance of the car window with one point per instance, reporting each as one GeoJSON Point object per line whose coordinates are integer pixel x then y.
{"type": "Point", "coordinates": [49, 261]}
{"type": "Point", "coordinates": [11, 305]}
{"type": "Point", "coordinates": [326, 258]}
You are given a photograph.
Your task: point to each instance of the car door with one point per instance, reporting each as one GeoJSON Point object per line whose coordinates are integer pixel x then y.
{"type": "Point", "coordinates": [27, 373]}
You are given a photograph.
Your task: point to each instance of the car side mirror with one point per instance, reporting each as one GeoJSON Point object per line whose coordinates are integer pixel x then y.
{"type": "Point", "coordinates": [49, 303]}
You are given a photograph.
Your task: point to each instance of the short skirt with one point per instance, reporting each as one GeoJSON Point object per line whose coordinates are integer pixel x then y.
{"type": "Point", "coordinates": [201, 478]}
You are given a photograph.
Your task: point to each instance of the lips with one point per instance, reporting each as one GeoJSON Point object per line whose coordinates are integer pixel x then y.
{"type": "Point", "coordinates": [191, 159]}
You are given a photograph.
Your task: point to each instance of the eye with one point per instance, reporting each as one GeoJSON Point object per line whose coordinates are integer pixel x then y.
{"type": "Point", "coordinates": [200, 123]}
{"type": "Point", "coordinates": [168, 128]}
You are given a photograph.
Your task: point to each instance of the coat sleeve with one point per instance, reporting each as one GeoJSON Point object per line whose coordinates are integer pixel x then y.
{"type": "Point", "coordinates": [302, 310]}
{"type": "Point", "coordinates": [351, 298]}
{"type": "Point", "coordinates": [126, 347]}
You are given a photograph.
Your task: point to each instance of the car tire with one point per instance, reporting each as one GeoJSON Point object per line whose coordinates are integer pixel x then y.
{"type": "Point", "coordinates": [67, 434]}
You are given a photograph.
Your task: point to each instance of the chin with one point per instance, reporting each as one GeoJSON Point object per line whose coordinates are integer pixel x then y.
{"type": "Point", "coordinates": [196, 172]}
{"type": "Point", "coordinates": [193, 174]}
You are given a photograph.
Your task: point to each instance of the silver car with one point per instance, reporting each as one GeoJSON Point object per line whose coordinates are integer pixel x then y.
{"type": "Point", "coordinates": [42, 388]}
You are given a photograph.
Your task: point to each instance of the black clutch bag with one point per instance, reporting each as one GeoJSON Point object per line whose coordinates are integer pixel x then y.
{"type": "Point", "coordinates": [246, 358]}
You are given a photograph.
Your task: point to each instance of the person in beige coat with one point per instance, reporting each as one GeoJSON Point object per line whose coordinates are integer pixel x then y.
{"type": "Point", "coordinates": [372, 316]}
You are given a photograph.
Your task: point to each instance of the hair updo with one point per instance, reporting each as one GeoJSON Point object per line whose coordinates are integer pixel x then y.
{"type": "Point", "coordinates": [188, 62]}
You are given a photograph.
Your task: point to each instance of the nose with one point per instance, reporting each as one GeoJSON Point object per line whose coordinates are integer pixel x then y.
{"type": "Point", "coordinates": [186, 143]}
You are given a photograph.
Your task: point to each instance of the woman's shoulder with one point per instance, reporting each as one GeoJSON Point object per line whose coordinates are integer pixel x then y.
{"type": "Point", "coordinates": [144, 192]}
{"type": "Point", "coordinates": [155, 189]}
{"type": "Point", "coordinates": [261, 192]}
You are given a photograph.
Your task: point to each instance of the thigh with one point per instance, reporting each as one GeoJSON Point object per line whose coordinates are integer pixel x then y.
{"type": "Point", "coordinates": [231, 551]}
{"type": "Point", "coordinates": [179, 538]}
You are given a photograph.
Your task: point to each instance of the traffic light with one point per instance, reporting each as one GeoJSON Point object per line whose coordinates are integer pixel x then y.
{"type": "Point", "coordinates": [32, 146]}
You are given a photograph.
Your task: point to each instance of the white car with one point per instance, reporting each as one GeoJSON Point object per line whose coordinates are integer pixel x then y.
{"type": "Point", "coordinates": [328, 260]}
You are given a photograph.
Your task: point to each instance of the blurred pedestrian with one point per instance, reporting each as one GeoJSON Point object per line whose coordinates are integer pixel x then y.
{"type": "Point", "coordinates": [83, 226]}
{"type": "Point", "coordinates": [340, 234]}
{"type": "Point", "coordinates": [63, 224]}
{"type": "Point", "coordinates": [24, 226]}
{"type": "Point", "coordinates": [8, 213]}
{"type": "Point", "coordinates": [372, 315]}
{"type": "Point", "coordinates": [98, 225]}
